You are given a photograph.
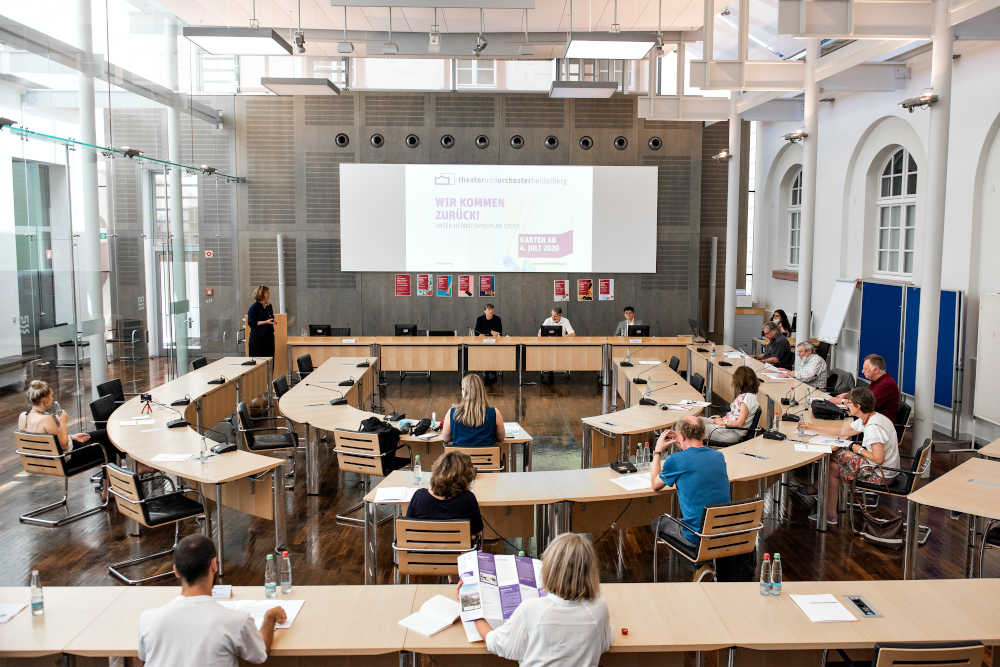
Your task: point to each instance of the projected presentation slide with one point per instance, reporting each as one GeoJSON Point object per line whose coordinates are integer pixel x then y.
{"type": "Point", "coordinates": [497, 218]}
{"type": "Point", "coordinates": [510, 218]}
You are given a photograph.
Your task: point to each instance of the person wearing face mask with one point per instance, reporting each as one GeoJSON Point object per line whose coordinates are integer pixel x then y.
{"type": "Point", "coordinates": [781, 319]}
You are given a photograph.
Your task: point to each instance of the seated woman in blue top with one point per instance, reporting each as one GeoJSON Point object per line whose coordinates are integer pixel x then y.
{"type": "Point", "coordinates": [472, 423]}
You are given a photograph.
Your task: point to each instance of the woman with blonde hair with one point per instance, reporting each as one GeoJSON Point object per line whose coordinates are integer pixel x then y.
{"type": "Point", "coordinates": [473, 423]}
{"type": "Point", "coordinates": [260, 320]}
{"type": "Point", "coordinates": [570, 624]}
{"type": "Point", "coordinates": [45, 416]}
{"type": "Point", "coordinates": [449, 498]}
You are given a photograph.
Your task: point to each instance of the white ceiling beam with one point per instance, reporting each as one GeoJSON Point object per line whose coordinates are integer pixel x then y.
{"type": "Point", "coordinates": [872, 19]}
{"type": "Point", "coordinates": [715, 109]}
{"type": "Point", "coordinates": [775, 110]}
{"type": "Point", "coordinates": [984, 27]}
{"type": "Point", "coordinates": [868, 78]}
{"type": "Point", "coordinates": [788, 76]}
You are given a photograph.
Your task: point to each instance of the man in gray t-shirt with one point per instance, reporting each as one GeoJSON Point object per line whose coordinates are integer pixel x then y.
{"type": "Point", "coordinates": [194, 629]}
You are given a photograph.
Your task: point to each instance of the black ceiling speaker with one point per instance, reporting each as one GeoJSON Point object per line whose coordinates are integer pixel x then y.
{"type": "Point", "coordinates": [586, 143]}
{"type": "Point", "coordinates": [482, 141]}
{"type": "Point", "coordinates": [341, 140]}
{"type": "Point", "coordinates": [655, 143]}
{"type": "Point", "coordinates": [412, 141]}
{"type": "Point", "coordinates": [621, 143]}
{"type": "Point", "coordinates": [376, 140]}
{"type": "Point", "coordinates": [517, 142]}
{"type": "Point", "coordinates": [447, 141]}
{"type": "Point", "coordinates": [551, 142]}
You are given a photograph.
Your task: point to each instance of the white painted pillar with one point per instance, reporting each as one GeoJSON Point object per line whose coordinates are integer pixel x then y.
{"type": "Point", "coordinates": [803, 329]}
{"type": "Point", "coordinates": [175, 212]}
{"type": "Point", "coordinates": [732, 224]}
{"type": "Point", "coordinates": [90, 310]}
{"type": "Point", "coordinates": [930, 236]}
{"type": "Point", "coordinates": [149, 261]}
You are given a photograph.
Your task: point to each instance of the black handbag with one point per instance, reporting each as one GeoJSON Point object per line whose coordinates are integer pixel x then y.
{"type": "Point", "coordinates": [826, 410]}
{"type": "Point", "coordinates": [388, 435]}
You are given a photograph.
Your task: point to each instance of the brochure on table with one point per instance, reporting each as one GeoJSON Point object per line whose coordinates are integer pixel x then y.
{"type": "Point", "coordinates": [494, 585]}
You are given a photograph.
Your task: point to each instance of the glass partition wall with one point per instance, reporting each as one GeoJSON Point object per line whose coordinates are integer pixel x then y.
{"type": "Point", "coordinates": [121, 244]}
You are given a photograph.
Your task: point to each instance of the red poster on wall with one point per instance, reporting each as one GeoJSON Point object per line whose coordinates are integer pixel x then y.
{"type": "Point", "coordinates": [403, 285]}
{"type": "Point", "coordinates": [560, 290]}
{"type": "Point", "coordinates": [487, 285]}
{"type": "Point", "coordinates": [606, 289]}
{"type": "Point", "coordinates": [464, 285]}
{"type": "Point", "coordinates": [423, 284]}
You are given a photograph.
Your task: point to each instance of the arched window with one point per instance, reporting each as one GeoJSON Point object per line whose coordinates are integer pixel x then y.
{"type": "Point", "coordinates": [793, 213]}
{"type": "Point", "coordinates": [897, 215]}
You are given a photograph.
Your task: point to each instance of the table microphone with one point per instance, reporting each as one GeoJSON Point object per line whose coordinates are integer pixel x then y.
{"type": "Point", "coordinates": [219, 380]}
{"type": "Point", "coordinates": [646, 400]}
{"type": "Point", "coordinates": [336, 401]}
{"type": "Point", "coordinates": [638, 379]}
{"type": "Point", "coordinates": [250, 362]}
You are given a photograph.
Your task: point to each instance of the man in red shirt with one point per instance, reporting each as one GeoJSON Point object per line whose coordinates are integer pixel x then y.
{"type": "Point", "coordinates": [882, 385]}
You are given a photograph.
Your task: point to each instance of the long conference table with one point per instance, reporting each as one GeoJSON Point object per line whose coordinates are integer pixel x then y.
{"type": "Point", "coordinates": [462, 354]}
{"type": "Point", "coordinates": [358, 625]}
{"type": "Point", "coordinates": [228, 479]}
{"type": "Point", "coordinates": [308, 404]}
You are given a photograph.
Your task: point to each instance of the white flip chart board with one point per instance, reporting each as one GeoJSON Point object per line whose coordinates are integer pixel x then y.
{"type": "Point", "coordinates": [836, 311]}
{"type": "Point", "coordinates": [988, 360]}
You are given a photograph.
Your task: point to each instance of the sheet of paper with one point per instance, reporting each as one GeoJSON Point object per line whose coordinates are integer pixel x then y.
{"type": "Point", "coordinates": [634, 482]}
{"type": "Point", "coordinates": [769, 367]}
{"type": "Point", "coordinates": [394, 494]}
{"type": "Point", "coordinates": [823, 608]}
{"type": "Point", "coordinates": [700, 404]}
{"type": "Point", "coordinates": [734, 355]}
{"type": "Point", "coordinates": [514, 430]}
{"type": "Point", "coordinates": [493, 586]}
{"type": "Point", "coordinates": [679, 406]}
{"type": "Point", "coordinates": [813, 449]}
{"type": "Point", "coordinates": [222, 591]}
{"type": "Point", "coordinates": [257, 609]}
{"type": "Point", "coordinates": [774, 376]}
{"type": "Point", "coordinates": [9, 610]}
{"type": "Point", "coordinates": [433, 616]}
{"type": "Point", "coordinates": [648, 362]}
{"type": "Point", "coordinates": [428, 435]}
{"type": "Point", "coordinates": [829, 440]}
{"type": "Point", "coordinates": [167, 458]}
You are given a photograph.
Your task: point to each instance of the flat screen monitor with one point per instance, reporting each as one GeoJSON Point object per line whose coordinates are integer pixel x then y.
{"type": "Point", "coordinates": [319, 330]}
{"type": "Point", "coordinates": [406, 329]}
{"type": "Point", "coordinates": [552, 330]}
{"type": "Point", "coordinates": [638, 331]}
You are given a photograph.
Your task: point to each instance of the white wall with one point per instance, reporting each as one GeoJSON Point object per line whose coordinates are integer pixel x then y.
{"type": "Point", "coordinates": [855, 133]}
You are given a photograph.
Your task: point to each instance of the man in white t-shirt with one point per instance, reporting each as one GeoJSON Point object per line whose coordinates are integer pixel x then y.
{"type": "Point", "coordinates": [557, 320]}
{"type": "Point", "coordinates": [879, 447]}
{"type": "Point", "coordinates": [194, 629]}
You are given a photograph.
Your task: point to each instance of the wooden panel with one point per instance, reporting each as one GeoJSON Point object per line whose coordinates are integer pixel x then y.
{"type": "Point", "coordinates": [492, 358]}
{"type": "Point", "coordinates": [253, 384]}
{"type": "Point", "coordinates": [749, 658]}
{"type": "Point", "coordinates": [595, 518]}
{"type": "Point", "coordinates": [563, 358]}
{"type": "Point", "coordinates": [510, 522]}
{"type": "Point", "coordinates": [321, 353]}
{"type": "Point", "coordinates": [383, 660]}
{"type": "Point", "coordinates": [215, 406]}
{"type": "Point", "coordinates": [658, 352]}
{"type": "Point", "coordinates": [280, 344]}
{"type": "Point", "coordinates": [250, 497]}
{"type": "Point", "coordinates": [419, 357]}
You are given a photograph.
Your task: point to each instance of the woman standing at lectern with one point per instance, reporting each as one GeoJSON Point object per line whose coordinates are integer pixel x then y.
{"type": "Point", "coordinates": [260, 319]}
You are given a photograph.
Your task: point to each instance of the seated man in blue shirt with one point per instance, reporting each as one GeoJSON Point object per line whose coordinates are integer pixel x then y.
{"type": "Point", "coordinates": [698, 472]}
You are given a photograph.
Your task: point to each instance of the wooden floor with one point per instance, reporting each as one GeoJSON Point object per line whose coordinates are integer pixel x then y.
{"type": "Point", "coordinates": [325, 552]}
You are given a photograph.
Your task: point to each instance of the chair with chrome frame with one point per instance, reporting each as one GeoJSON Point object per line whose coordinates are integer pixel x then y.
{"type": "Point", "coordinates": [361, 453]}
{"type": "Point", "coordinates": [903, 484]}
{"type": "Point", "coordinates": [484, 459]}
{"type": "Point", "coordinates": [40, 454]}
{"type": "Point", "coordinates": [727, 529]}
{"type": "Point", "coordinates": [697, 382]}
{"type": "Point", "coordinates": [101, 410]}
{"type": "Point", "coordinates": [150, 511]}
{"type": "Point", "coordinates": [750, 428]}
{"type": "Point", "coordinates": [262, 434]}
{"type": "Point", "coordinates": [304, 364]}
{"type": "Point", "coordinates": [115, 389]}
{"type": "Point", "coordinates": [941, 654]}
{"type": "Point", "coordinates": [425, 547]}
{"type": "Point", "coordinates": [991, 540]}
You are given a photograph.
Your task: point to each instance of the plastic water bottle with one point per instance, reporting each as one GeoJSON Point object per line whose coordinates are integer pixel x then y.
{"type": "Point", "coordinates": [270, 578]}
{"type": "Point", "coordinates": [285, 573]}
{"type": "Point", "coordinates": [765, 575]}
{"type": "Point", "coordinates": [776, 575]}
{"type": "Point", "coordinates": [418, 474]}
{"type": "Point", "coordinates": [646, 456]}
{"type": "Point", "coordinates": [713, 348]}
{"type": "Point", "coordinates": [37, 597]}
{"type": "Point", "coordinates": [204, 448]}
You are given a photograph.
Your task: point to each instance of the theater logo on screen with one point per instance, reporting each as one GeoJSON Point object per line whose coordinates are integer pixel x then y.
{"type": "Point", "coordinates": [444, 179]}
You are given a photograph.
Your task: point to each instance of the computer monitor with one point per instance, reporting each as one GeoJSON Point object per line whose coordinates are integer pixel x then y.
{"type": "Point", "coordinates": [638, 331]}
{"type": "Point", "coordinates": [319, 330]}
{"type": "Point", "coordinates": [552, 330]}
{"type": "Point", "coordinates": [406, 329]}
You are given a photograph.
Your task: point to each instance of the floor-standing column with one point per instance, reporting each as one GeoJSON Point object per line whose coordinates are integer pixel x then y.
{"type": "Point", "coordinates": [803, 329]}
{"type": "Point", "coordinates": [175, 214]}
{"type": "Point", "coordinates": [931, 237]}
{"type": "Point", "coordinates": [90, 310]}
{"type": "Point", "coordinates": [732, 224]}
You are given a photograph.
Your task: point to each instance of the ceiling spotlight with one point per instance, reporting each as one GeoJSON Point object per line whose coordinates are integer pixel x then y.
{"type": "Point", "coordinates": [434, 38]}
{"type": "Point", "coordinates": [481, 41]}
{"type": "Point", "coordinates": [795, 137]}
{"type": "Point", "coordinates": [722, 155]}
{"type": "Point", "coordinates": [390, 48]}
{"type": "Point", "coordinates": [525, 49]}
{"type": "Point", "coordinates": [345, 46]}
{"type": "Point", "coordinates": [615, 26]}
{"type": "Point", "coordinates": [131, 152]}
{"type": "Point", "coordinates": [208, 170]}
{"type": "Point", "coordinates": [928, 99]}
{"type": "Point", "coordinates": [298, 36]}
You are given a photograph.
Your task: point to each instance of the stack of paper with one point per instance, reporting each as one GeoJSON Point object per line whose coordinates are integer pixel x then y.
{"type": "Point", "coordinates": [257, 609]}
{"type": "Point", "coordinates": [648, 362]}
{"type": "Point", "coordinates": [813, 449]}
{"type": "Point", "coordinates": [514, 430]}
{"type": "Point", "coordinates": [734, 355]}
{"type": "Point", "coordinates": [9, 610]}
{"type": "Point", "coordinates": [823, 608]}
{"type": "Point", "coordinates": [700, 404]}
{"type": "Point", "coordinates": [434, 616]}
{"type": "Point", "coordinates": [394, 494]}
{"type": "Point", "coordinates": [634, 482]}
{"type": "Point", "coordinates": [167, 457]}
{"type": "Point", "coordinates": [829, 441]}
{"type": "Point", "coordinates": [774, 376]}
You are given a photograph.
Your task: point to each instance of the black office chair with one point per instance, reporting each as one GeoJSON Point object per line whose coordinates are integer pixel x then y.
{"type": "Point", "coordinates": [991, 540]}
{"type": "Point", "coordinates": [940, 654]}
{"type": "Point", "coordinates": [675, 363]}
{"type": "Point", "coordinates": [903, 413]}
{"type": "Point", "coordinates": [114, 389]}
{"type": "Point", "coordinates": [751, 432]}
{"type": "Point", "coordinates": [903, 484]}
{"type": "Point", "coordinates": [441, 332]}
{"type": "Point", "coordinates": [305, 366]}
{"type": "Point", "coordinates": [340, 331]}
{"type": "Point", "coordinates": [697, 382]}
{"type": "Point", "coordinates": [839, 382]}
{"type": "Point", "coordinates": [200, 362]}
{"type": "Point", "coordinates": [101, 410]}
{"type": "Point", "coordinates": [280, 385]}
{"type": "Point", "coordinates": [265, 438]}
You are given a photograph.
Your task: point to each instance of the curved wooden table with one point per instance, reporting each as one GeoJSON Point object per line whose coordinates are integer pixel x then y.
{"type": "Point", "coordinates": [210, 404]}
